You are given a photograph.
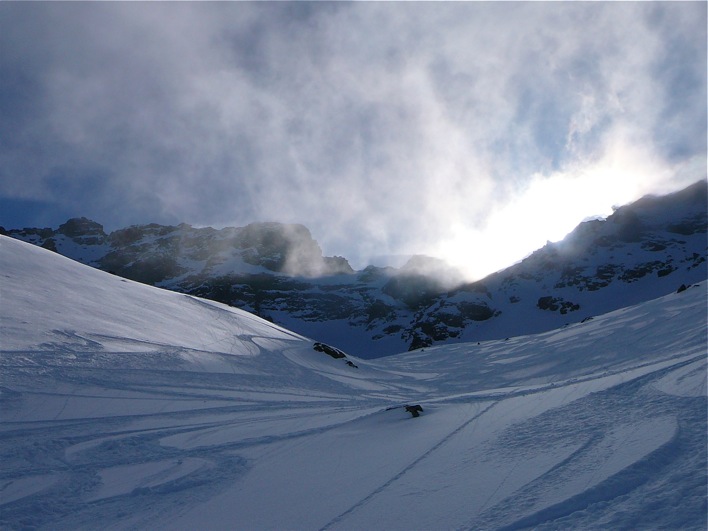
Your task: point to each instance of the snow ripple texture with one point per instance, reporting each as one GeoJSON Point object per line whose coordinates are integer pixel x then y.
{"type": "Point", "coordinates": [123, 406]}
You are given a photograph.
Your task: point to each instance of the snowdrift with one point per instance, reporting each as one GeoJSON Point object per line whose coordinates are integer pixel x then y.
{"type": "Point", "coordinates": [124, 406]}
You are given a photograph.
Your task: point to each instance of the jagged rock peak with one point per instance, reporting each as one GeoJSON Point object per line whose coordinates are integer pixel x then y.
{"type": "Point", "coordinates": [82, 231]}
{"type": "Point", "coordinates": [138, 251]}
{"type": "Point", "coordinates": [76, 227]}
{"type": "Point", "coordinates": [288, 248]}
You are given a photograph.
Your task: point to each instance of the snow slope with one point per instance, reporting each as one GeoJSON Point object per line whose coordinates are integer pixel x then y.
{"type": "Point", "coordinates": [128, 407]}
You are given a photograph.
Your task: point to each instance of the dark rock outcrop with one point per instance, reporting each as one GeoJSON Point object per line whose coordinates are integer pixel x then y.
{"type": "Point", "coordinates": [329, 350]}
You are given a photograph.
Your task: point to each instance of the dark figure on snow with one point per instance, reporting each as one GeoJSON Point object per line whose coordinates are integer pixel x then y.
{"type": "Point", "coordinates": [414, 410]}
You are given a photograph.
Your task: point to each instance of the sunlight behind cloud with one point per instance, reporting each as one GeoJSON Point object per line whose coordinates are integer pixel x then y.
{"type": "Point", "coordinates": [551, 206]}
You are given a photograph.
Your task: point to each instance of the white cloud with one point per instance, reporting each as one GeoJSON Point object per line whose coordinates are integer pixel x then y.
{"type": "Point", "coordinates": [551, 206]}
{"type": "Point", "coordinates": [386, 128]}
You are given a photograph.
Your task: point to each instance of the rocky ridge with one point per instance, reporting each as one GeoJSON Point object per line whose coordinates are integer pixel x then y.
{"type": "Point", "coordinates": [277, 271]}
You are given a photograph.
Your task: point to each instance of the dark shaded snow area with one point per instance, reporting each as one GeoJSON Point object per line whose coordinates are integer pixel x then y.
{"type": "Point", "coordinates": [128, 407]}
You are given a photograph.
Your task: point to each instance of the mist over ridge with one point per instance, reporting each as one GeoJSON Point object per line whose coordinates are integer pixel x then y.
{"type": "Point", "coordinates": [278, 271]}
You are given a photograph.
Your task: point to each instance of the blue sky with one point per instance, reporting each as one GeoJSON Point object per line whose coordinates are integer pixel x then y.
{"type": "Point", "coordinates": [461, 130]}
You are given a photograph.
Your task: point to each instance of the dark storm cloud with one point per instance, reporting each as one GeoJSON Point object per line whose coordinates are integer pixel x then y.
{"type": "Point", "coordinates": [379, 125]}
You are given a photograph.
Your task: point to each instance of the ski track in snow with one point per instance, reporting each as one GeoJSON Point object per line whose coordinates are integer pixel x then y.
{"type": "Point", "coordinates": [427, 453]}
{"type": "Point", "coordinates": [92, 460]}
{"type": "Point", "coordinates": [147, 409]}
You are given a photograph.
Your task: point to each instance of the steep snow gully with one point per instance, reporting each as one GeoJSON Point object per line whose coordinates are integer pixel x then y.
{"type": "Point", "coordinates": [127, 407]}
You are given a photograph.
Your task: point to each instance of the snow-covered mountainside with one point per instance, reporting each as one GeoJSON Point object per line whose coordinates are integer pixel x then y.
{"type": "Point", "coordinates": [277, 271]}
{"type": "Point", "coordinates": [124, 406]}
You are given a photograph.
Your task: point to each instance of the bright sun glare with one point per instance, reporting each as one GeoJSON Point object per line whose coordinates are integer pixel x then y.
{"type": "Point", "coordinates": [551, 207]}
